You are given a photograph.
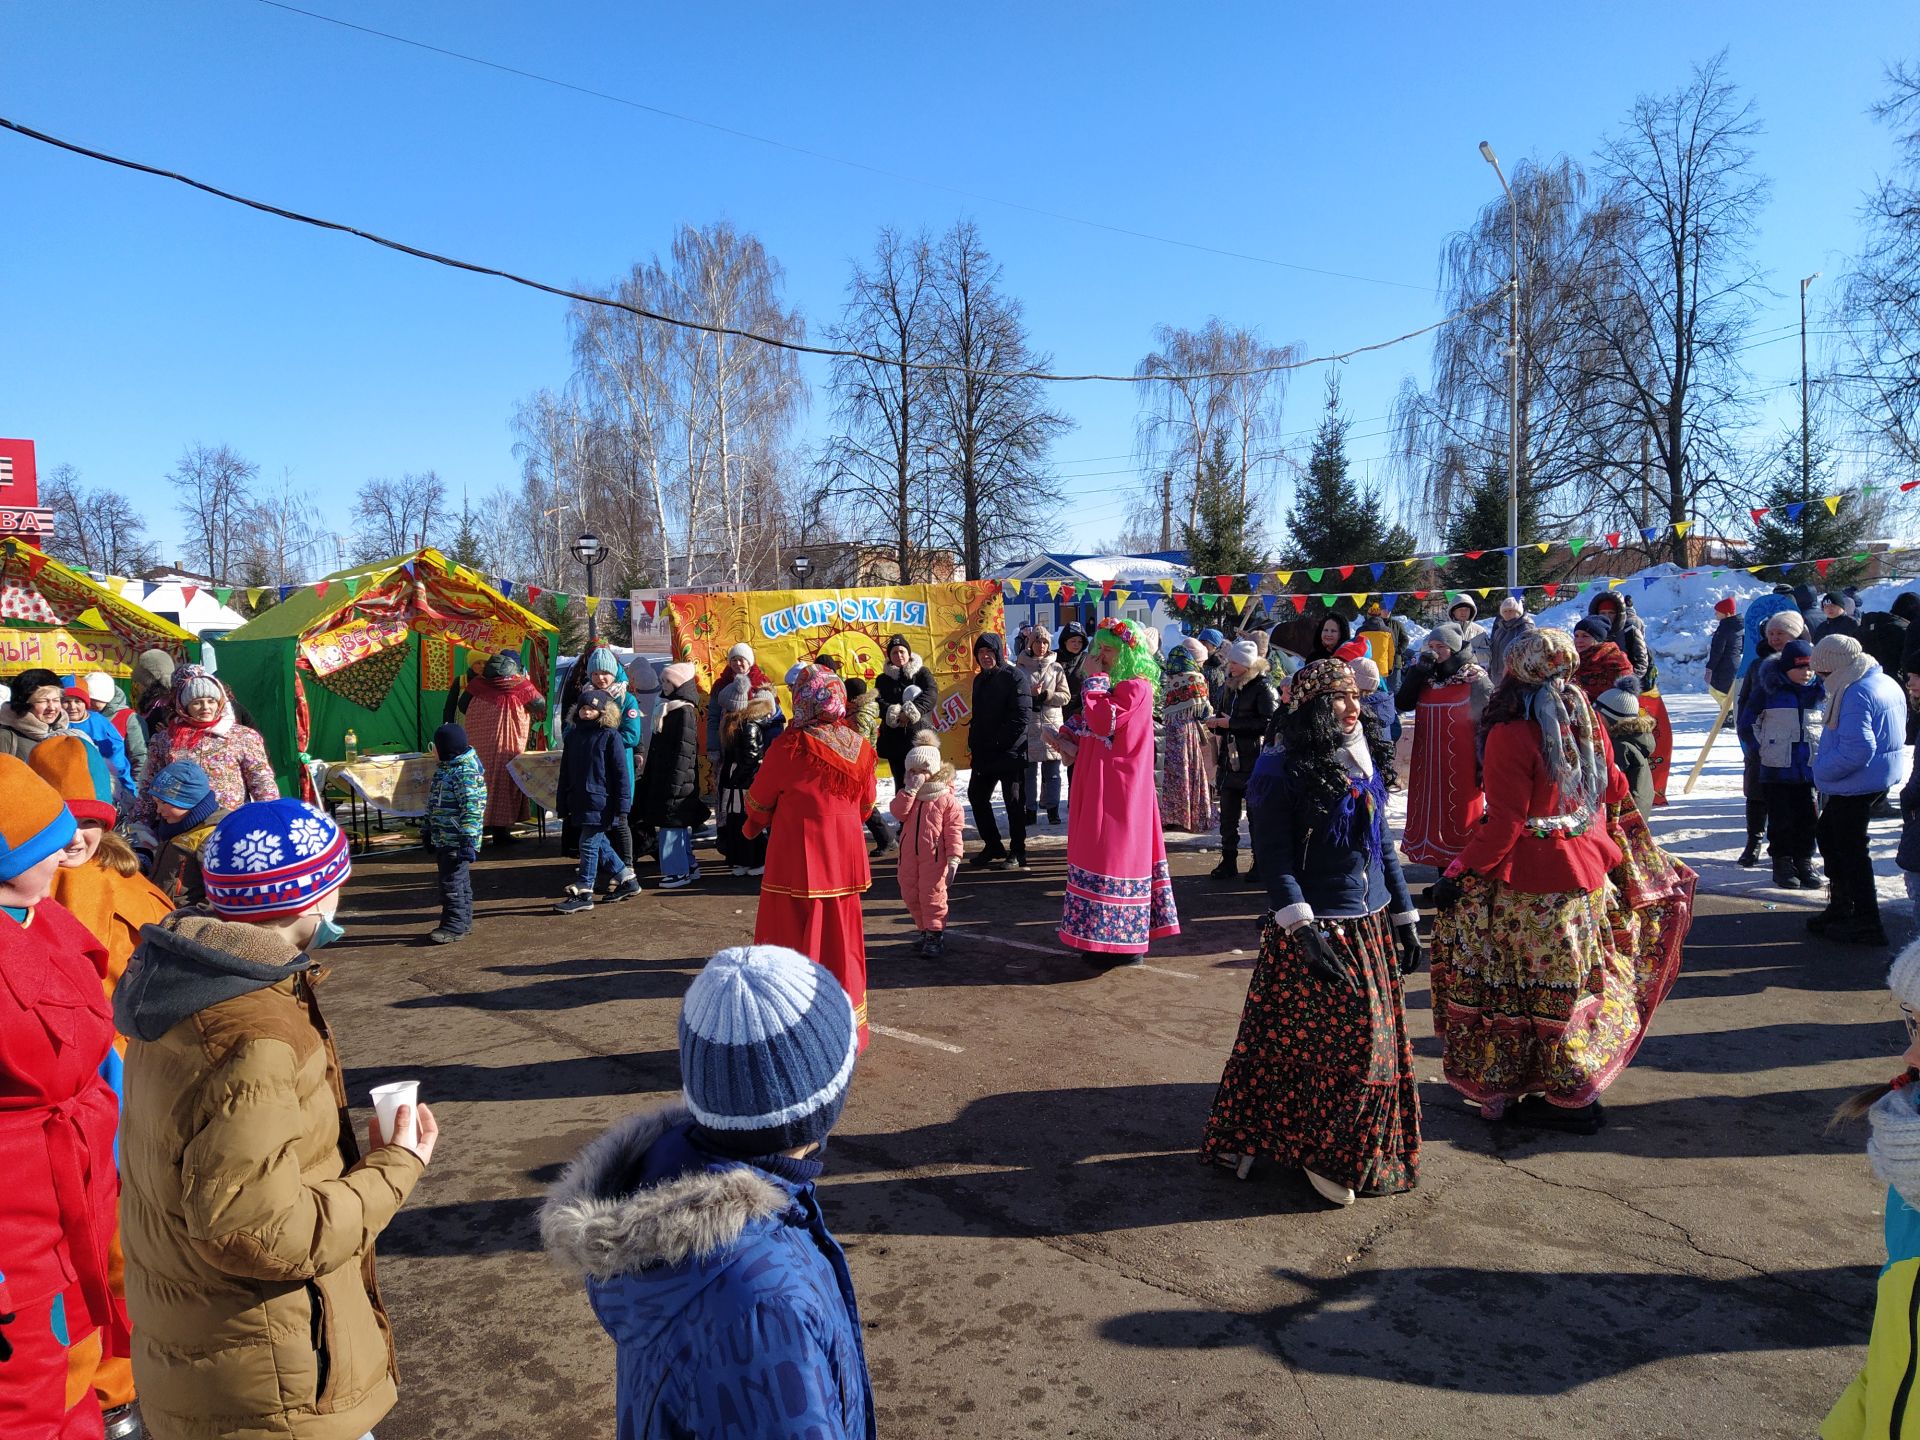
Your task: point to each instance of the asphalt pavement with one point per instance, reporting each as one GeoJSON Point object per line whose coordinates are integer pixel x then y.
{"type": "Point", "coordinates": [1037, 1250]}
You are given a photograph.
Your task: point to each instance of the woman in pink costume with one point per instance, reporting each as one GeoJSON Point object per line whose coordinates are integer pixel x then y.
{"type": "Point", "coordinates": [1119, 894]}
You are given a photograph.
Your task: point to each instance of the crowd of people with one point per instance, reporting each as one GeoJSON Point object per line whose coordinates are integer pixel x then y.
{"type": "Point", "coordinates": [195, 1246]}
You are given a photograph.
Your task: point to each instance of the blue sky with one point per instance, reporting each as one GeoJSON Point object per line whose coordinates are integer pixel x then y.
{"type": "Point", "coordinates": [146, 316]}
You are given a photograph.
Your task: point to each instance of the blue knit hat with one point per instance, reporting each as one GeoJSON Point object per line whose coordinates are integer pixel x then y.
{"type": "Point", "coordinates": [603, 662]}
{"type": "Point", "coordinates": [182, 783]}
{"type": "Point", "coordinates": [767, 1042]}
{"type": "Point", "coordinates": [34, 823]}
{"type": "Point", "coordinates": [272, 859]}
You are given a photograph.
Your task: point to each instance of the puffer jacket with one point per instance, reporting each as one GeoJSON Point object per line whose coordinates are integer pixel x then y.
{"type": "Point", "coordinates": [247, 1211]}
{"type": "Point", "coordinates": [1002, 710]}
{"type": "Point", "coordinates": [596, 787]}
{"type": "Point", "coordinates": [729, 1302]}
{"type": "Point", "coordinates": [120, 715]}
{"type": "Point", "coordinates": [1249, 704]}
{"type": "Point", "coordinates": [899, 721]}
{"type": "Point", "coordinates": [932, 827]}
{"type": "Point", "coordinates": [1630, 634]}
{"type": "Point", "coordinates": [457, 803]}
{"type": "Point", "coordinates": [1074, 663]}
{"type": "Point", "coordinates": [1051, 692]}
{"type": "Point", "coordinates": [1863, 747]}
{"type": "Point", "coordinates": [669, 795]}
{"type": "Point", "coordinates": [1633, 753]}
{"type": "Point", "coordinates": [1779, 724]}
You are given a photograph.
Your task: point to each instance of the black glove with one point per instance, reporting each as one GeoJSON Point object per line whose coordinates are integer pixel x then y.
{"type": "Point", "coordinates": [1322, 958]}
{"type": "Point", "coordinates": [1406, 939]}
{"type": "Point", "coordinates": [1444, 893]}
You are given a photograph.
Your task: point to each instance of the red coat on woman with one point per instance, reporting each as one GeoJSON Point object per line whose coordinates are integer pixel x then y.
{"type": "Point", "coordinates": [57, 1117]}
{"type": "Point", "coordinates": [1600, 667]}
{"type": "Point", "coordinates": [1519, 788]}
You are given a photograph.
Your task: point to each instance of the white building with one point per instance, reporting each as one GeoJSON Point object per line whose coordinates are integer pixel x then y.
{"type": "Point", "coordinates": [1137, 576]}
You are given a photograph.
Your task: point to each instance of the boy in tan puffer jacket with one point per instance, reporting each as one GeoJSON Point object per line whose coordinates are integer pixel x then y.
{"type": "Point", "coordinates": [247, 1210]}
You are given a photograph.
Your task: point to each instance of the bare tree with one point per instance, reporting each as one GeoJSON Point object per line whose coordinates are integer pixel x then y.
{"type": "Point", "coordinates": [1188, 404]}
{"type": "Point", "coordinates": [991, 429]}
{"type": "Point", "coordinates": [1668, 325]}
{"type": "Point", "coordinates": [880, 465]}
{"type": "Point", "coordinates": [98, 529]}
{"type": "Point", "coordinates": [286, 538]}
{"type": "Point", "coordinates": [622, 389]}
{"type": "Point", "coordinates": [1573, 427]}
{"type": "Point", "coordinates": [392, 517]}
{"type": "Point", "coordinates": [1880, 299]}
{"type": "Point", "coordinates": [554, 449]}
{"type": "Point", "coordinates": [215, 490]}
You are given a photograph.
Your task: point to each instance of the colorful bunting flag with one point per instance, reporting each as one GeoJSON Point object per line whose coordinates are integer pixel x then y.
{"type": "Point", "coordinates": [1346, 572]}
{"type": "Point", "coordinates": [253, 596]}
{"type": "Point", "coordinates": [1793, 510]}
{"type": "Point", "coordinates": [560, 603]}
{"type": "Point", "coordinates": [1576, 546]}
{"type": "Point", "coordinates": [622, 608]}
{"type": "Point", "coordinates": [1314, 574]}
{"type": "Point", "coordinates": [1359, 600]}
{"type": "Point", "coordinates": [223, 593]}
{"type": "Point", "coordinates": [1378, 568]}
{"type": "Point", "coordinates": [1386, 602]}
{"type": "Point", "coordinates": [1832, 502]}
{"type": "Point", "coordinates": [1285, 577]}
{"type": "Point", "coordinates": [1551, 589]}
{"type": "Point", "coordinates": [1613, 540]}
{"type": "Point", "coordinates": [1225, 582]}
{"type": "Point", "coordinates": [285, 590]}
{"type": "Point", "coordinates": [1757, 514]}
{"type": "Point", "coordinates": [1542, 546]}
{"type": "Point", "coordinates": [352, 583]}
{"type": "Point", "coordinates": [1823, 566]}
{"type": "Point", "coordinates": [1680, 528]}
{"type": "Point", "coordinates": [187, 592]}
{"type": "Point", "coordinates": [319, 588]}
{"type": "Point", "coordinates": [1299, 604]}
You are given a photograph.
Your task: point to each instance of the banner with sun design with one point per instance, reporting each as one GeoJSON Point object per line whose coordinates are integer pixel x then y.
{"type": "Point", "coordinates": [940, 623]}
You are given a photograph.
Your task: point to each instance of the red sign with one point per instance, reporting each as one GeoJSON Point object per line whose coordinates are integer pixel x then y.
{"type": "Point", "coordinates": [28, 523]}
{"type": "Point", "coordinates": [20, 494]}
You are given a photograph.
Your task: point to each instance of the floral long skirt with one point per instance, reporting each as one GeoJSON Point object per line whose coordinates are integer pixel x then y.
{"type": "Point", "coordinates": [1551, 994]}
{"type": "Point", "coordinates": [1186, 781]}
{"type": "Point", "coordinates": [1321, 1077]}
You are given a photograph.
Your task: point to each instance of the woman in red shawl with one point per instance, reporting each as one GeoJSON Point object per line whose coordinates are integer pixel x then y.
{"type": "Point", "coordinates": [815, 789]}
{"type": "Point", "coordinates": [501, 704]}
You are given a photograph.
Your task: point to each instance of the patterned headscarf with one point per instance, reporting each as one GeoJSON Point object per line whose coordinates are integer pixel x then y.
{"type": "Point", "coordinates": [503, 666]}
{"type": "Point", "coordinates": [1542, 661]}
{"type": "Point", "coordinates": [1322, 677]}
{"type": "Point", "coordinates": [819, 698]}
{"type": "Point", "coordinates": [1180, 661]}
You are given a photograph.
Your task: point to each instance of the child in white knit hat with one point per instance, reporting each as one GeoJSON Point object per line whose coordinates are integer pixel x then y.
{"type": "Point", "coordinates": [1879, 1392]}
{"type": "Point", "coordinates": [931, 826]}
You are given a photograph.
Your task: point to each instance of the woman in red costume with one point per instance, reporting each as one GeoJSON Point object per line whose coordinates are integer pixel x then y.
{"type": "Point", "coordinates": [815, 790]}
{"type": "Point", "coordinates": [501, 705]}
{"type": "Point", "coordinates": [1446, 692]}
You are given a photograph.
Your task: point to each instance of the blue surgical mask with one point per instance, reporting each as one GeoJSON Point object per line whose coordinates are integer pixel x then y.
{"type": "Point", "coordinates": [325, 934]}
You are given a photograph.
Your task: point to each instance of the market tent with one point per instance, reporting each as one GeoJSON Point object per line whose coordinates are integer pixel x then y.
{"type": "Point", "coordinates": [53, 616]}
{"type": "Point", "coordinates": [373, 649]}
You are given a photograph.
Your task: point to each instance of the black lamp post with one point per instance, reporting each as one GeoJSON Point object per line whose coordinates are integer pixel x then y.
{"type": "Point", "coordinates": [801, 566]}
{"type": "Point", "coordinates": [589, 552]}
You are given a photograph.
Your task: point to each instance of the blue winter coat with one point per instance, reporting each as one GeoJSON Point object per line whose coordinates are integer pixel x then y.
{"type": "Point", "coordinates": [1777, 724]}
{"type": "Point", "coordinates": [596, 781]}
{"type": "Point", "coordinates": [1758, 613]}
{"type": "Point", "coordinates": [1862, 750]}
{"type": "Point", "coordinates": [1309, 871]}
{"type": "Point", "coordinates": [729, 1302]}
{"type": "Point", "coordinates": [111, 744]}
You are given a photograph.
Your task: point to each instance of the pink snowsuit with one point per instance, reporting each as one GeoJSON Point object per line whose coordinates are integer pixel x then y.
{"type": "Point", "coordinates": [931, 823]}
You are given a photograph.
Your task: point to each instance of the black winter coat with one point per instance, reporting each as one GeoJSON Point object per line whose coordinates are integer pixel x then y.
{"type": "Point", "coordinates": [741, 753]}
{"type": "Point", "coordinates": [596, 787]}
{"type": "Point", "coordinates": [670, 782]}
{"type": "Point", "coordinates": [1249, 709]}
{"type": "Point", "coordinates": [1002, 708]}
{"type": "Point", "coordinates": [891, 688]}
{"type": "Point", "coordinates": [1723, 652]}
{"type": "Point", "coordinates": [1076, 667]}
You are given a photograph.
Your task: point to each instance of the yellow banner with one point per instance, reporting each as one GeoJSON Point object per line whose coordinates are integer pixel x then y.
{"type": "Point", "coordinates": [784, 627]}
{"type": "Point", "coordinates": [65, 652]}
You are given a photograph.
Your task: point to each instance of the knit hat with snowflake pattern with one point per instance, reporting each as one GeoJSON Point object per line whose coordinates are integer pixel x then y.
{"type": "Point", "coordinates": [273, 859]}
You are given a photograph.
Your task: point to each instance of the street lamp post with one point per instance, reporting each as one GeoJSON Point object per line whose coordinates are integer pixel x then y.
{"type": "Point", "coordinates": [1513, 378]}
{"type": "Point", "coordinates": [589, 552]}
{"type": "Point", "coordinates": [1806, 455]}
{"type": "Point", "coordinates": [801, 566]}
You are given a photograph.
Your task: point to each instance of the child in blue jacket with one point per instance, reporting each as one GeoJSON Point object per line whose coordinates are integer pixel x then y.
{"type": "Point", "coordinates": [596, 793]}
{"type": "Point", "coordinates": [697, 1229]}
{"type": "Point", "coordinates": [456, 806]}
{"type": "Point", "coordinates": [1777, 730]}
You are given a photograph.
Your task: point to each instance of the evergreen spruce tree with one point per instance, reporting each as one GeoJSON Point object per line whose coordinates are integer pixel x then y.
{"type": "Point", "coordinates": [1792, 530]}
{"type": "Point", "coordinates": [1481, 524]}
{"type": "Point", "coordinates": [1225, 540]}
{"type": "Point", "coordinates": [1332, 522]}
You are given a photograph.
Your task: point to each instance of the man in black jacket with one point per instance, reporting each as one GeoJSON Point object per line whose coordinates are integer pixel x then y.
{"type": "Point", "coordinates": [997, 741]}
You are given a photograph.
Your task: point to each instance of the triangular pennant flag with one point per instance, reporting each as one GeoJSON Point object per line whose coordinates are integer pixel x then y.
{"type": "Point", "coordinates": [1793, 510]}
{"type": "Point", "coordinates": [651, 607]}
{"type": "Point", "coordinates": [1053, 589]}
{"type": "Point", "coordinates": [1410, 562]}
{"type": "Point", "coordinates": [1615, 584]}
{"type": "Point", "coordinates": [1483, 591]}
{"type": "Point", "coordinates": [1860, 555]}
{"type": "Point", "coordinates": [1299, 604]}
{"type": "Point", "coordinates": [91, 619]}
{"type": "Point", "coordinates": [1551, 589]}
{"type": "Point", "coordinates": [1680, 528]}
{"type": "Point", "coordinates": [1823, 566]}
{"type": "Point", "coordinates": [1379, 568]}
{"type": "Point", "coordinates": [352, 583]}
{"type": "Point", "coordinates": [1285, 577]}
{"type": "Point", "coordinates": [1613, 540]}
{"type": "Point", "coordinates": [1386, 602]}
{"type": "Point", "coordinates": [285, 590]}
{"type": "Point", "coordinates": [1315, 574]}
{"type": "Point", "coordinates": [1193, 585]}
{"type": "Point", "coordinates": [1253, 581]}
{"type": "Point", "coordinates": [1180, 601]}
{"type": "Point", "coordinates": [1121, 594]}
{"type": "Point", "coordinates": [319, 588]}
{"type": "Point", "coordinates": [1069, 591]}
{"type": "Point", "coordinates": [622, 608]}
{"type": "Point", "coordinates": [1473, 554]}
{"type": "Point", "coordinates": [1907, 485]}
{"type": "Point", "coordinates": [1439, 562]}
{"type": "Point", "coordinates": [1346, 572]}
{"type": "Point", "coordinates": [534, 592]}
{"type": "Point", "coordinates": [187, 592]}
{"type": "Point", "coordinates": [1576, 546]}
{"type": "Point", "coordinates": [1755, 569]}
{"type": "Point", "coordinates": [1421, 594]}
{"type": "Point", "coordinates": [407, 569]}
{"type": "Point", "coordinates": [1832, 502]}
{"type": "Point", "coordinates": [1646, 581]}
{"type": "Point", "coordinates": [1267, 602]}
{"type": "Point", "coordinates": [1359, 600]}
{"type": "Point", "coordinates": [1106, 587]}
{"type": "Point", "coordinates": [1543, 546]}
{"type": "Point", "coordinates": [1759, 513]}
{"type": "Point", "coordinates": [560, 603]}
{"type": "Point", "coordinates": [1225, 582]}
{"type": "Point", "coordinates": [1449, 596]}
{"type": "Point", "coordinates": [223, 593]}
{"type": "Point", "coordinates": [253, 597]}
{"type": "Point", "coordinates": [1648, 533]}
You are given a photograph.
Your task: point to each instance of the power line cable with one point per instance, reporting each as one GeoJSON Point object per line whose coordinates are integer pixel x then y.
{"type": "Point", "coordinates": [831, 159]}
{"type": "Point", "coordinates": [707, 327]}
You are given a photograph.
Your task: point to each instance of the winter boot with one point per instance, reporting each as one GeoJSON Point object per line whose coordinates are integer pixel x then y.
{"type": "Point", "coordinates": [1750, 856]}
{"type": "Point", "coordinates": [1228, 867]}
{"type": "Point", "coordinates": [920, 942]}
{"type": "Point", "coordinates": [628, 887]}
{"type": "Point", "coordinates": [1033, 816]}
{"type": "Point", "coordinates": [1053, 815]}
{"type": "Point", "coordinates": [1786, 876]}
{"type": "Point", "coordinates": [574, 905]}
{"type": "Point", "coordinates": [1809, 877]}
{"type": "Point", "coordinates": [881, 833]}
{"type": "Point", "coordinates": [936, 945]}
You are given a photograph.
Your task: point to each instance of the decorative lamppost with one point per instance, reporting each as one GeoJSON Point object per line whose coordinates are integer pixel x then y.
{"type": "Point", "coordinates": [802, 566]}
{"type": "Point", "coordinates": [589, 552]}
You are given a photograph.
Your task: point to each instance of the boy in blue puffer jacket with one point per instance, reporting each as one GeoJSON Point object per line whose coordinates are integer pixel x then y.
{"type": "Point", "coordinates": [697, 1229]}
{"type": "Point", "coordinates": [1777, 727]}
{"type": "Point", "coordinates": [596, 794]}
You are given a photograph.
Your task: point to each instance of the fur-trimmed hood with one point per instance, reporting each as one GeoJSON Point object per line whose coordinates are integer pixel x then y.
{"type": "Point", "coordinates": [912, 668]}
{"type": "Point", "coordinates": [598, 1222]}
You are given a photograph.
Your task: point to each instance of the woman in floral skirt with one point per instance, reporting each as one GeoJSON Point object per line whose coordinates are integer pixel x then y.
{"type": "Point", "coordinates": [1321, 1074]}
{"type": "Point", "coordinates": [1186, 776]}
{"type": "Point", "coordinates": [1543, 978]}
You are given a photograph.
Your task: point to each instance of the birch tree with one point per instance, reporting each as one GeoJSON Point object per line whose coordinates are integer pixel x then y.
{"type": "Point", "coordinates": [214, 487]}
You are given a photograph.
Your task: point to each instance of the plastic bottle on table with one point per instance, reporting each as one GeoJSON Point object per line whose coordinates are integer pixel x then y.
{"type": "Point", "coordinates": [353, 745]}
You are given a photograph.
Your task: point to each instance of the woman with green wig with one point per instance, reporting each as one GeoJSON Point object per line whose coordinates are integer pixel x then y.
{"type": "Point", "coordinates": [1119, 893]}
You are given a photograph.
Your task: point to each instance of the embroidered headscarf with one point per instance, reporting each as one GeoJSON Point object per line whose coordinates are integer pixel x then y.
{"type": "Point", "coordinates": [1540, 662]}
{"type": "Point", "coordinates": [820, 710]}
{"type": "Point", "coordinates": [1322, 677]}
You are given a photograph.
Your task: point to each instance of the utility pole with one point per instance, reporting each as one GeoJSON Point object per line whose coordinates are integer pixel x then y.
{"type": "Point", "coordinates": [1513, 378]}
{"type": "Point", "coordinates": [1806, 451]}
{"type": "Point", "coordinates": [1166, 509]}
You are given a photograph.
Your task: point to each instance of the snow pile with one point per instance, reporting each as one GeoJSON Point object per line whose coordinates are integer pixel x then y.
{"type": "Point", "coordinates": [1677, 607]}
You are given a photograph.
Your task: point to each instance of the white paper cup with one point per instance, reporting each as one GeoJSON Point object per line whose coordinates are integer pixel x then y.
{"type": "Point", "coordinates": [387, 1099]}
